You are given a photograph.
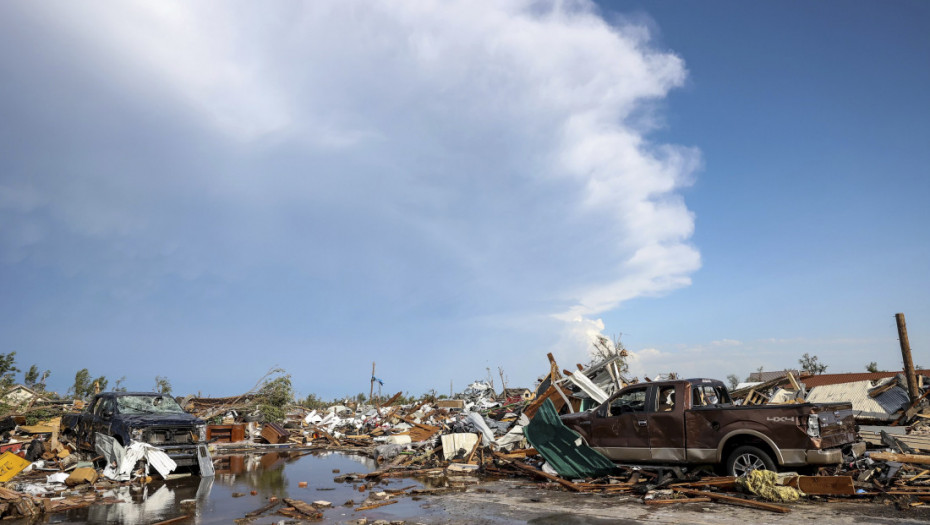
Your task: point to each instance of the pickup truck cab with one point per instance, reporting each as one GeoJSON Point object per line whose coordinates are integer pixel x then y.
{"type": "Point", "coordinates": [694, 422]}
{"type": "Point", "coordinates": [156, 419]}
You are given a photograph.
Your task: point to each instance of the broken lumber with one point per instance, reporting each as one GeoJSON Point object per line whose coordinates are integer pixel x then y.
{"type": "Point", "coordinates": [263, 510]}
{"type": "Point", "coordinates": [376, 505]}
{"type": "Point", "coordinates": [536, 472]}
{"type": "Point", "coordinates": [771, 507]}
{"type": "Point", "coordinates": [303, 507]}
{"type": "Point", "coordinates": [658, 502]}
{"type": "Point", "coordinates": [824, 485]}
{"type": "Point", "coordinates": [918, 459]}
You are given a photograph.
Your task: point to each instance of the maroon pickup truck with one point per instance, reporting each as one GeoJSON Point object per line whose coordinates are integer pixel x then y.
{"type": "Point", "coordinates": [694, 422]}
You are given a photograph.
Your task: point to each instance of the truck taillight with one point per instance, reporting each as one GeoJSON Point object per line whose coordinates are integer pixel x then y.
{"type": "Point", "coordinates": [813, 426]}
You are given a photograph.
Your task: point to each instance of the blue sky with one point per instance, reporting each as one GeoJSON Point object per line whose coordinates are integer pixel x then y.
{"type": "Point", "coordinates": [205, 191]}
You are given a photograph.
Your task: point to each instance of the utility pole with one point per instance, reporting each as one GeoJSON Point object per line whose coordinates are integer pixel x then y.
{"type": "Point", "coordinates": [371, 392]}
{"type": "Point", "coordinates": [909, 373]}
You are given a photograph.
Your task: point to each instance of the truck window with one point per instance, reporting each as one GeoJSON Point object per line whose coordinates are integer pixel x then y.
{"type": "Point", "coordinates": [101, 405]}
{"type": "Point", "coordinates": [708, 395]}
{"type": "Point", "coordinates": [634, 399]}
{"type": "Point", "coordinates": [666, 399]}
{"type": "Point", "coordinates": [143, 404]}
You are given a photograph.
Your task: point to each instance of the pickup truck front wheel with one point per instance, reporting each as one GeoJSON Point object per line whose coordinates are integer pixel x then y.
{"type": "Point", "coordinates": [747, 458]}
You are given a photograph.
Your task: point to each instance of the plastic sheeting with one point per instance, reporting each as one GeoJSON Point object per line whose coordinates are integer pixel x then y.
{"type": "Point", "coordinates": [487, 435]}
{"type": "Point", "coordinates": [121, 461]}
{"type": "Point", "coordinates": [563, 448]}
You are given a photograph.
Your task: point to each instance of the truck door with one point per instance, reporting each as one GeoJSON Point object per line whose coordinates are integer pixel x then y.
{"type": "Point", "coordinates": [620, 430]}
{"type": "Point", "coordinates": [103, 413]}
{"type": "Point", "coordinates": [666, 422]}
{"type": "Point", "coordinates": [85, 425]}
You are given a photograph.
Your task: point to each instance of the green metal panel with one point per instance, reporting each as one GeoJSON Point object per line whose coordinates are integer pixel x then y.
{"type": "Point", "coordinates": [562, 447]}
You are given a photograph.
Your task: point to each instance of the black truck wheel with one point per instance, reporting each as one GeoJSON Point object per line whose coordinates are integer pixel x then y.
{"type": "Point", "coordinates": [747, 458]}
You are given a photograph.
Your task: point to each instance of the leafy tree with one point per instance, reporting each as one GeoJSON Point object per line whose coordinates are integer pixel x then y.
{"type": "Point", "coordinates": [812, 365]}
{"type": "Point", "coordinates": [32, 376]}
{"type": "Point", "coordinates": [162, 385]}
{"type": "Point", "coordinates": [734, 380]}
{"type": "Point", "coordinates": [273, 396]}
{"type": "Point", "coordinates": [118, 386]}
{"type": "Point", "coordinates": [81, 384]}
{"type": "Point", "coordinates": [314, 402]}
{"type": "Point", "coordinates": [84, 386]}
{"type": "Point", "coordinates": [8, 369]}
{"type": "Point", "coordinates": [872, 367]}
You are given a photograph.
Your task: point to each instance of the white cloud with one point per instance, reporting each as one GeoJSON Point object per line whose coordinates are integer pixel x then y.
{"type": "Point", "coordinates": [485, 156]}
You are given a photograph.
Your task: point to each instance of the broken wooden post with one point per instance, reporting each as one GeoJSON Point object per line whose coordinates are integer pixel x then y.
{"type": "Point", "coordinates": [912, 389]}
{"type": "Point", "coordinates": [371, 392]}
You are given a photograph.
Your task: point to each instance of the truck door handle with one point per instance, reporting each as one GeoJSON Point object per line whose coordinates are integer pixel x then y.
{"type": "Point", "coordinates": [641, 422]}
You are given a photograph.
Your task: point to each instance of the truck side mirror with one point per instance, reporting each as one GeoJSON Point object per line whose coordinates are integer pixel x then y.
{"type": "Point", "coordinates": [107, 413]}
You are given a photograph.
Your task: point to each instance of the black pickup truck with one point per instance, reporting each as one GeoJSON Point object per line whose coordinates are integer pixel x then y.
{"type": "Point", "coordinates": [150, 417]}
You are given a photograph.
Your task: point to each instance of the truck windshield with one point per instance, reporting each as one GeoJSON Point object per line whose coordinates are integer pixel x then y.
{"type": "Point", "coordinates": [148, 405]}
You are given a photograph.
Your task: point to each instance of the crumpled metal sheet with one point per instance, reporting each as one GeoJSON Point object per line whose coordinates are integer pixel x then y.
{"type": "Point", "coordinates": [562, 447]}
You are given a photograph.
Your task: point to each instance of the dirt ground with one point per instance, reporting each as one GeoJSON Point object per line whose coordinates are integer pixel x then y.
{"type": "Point", "coordinates": [512, 502]}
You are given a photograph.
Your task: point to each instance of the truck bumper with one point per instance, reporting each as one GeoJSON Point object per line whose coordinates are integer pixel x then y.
{"type": "Point", "coordinates": [831, 456]}
{"type": "Point", "coordinates": [183, 455]}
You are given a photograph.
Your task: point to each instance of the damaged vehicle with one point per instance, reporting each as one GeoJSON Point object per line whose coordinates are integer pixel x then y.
{"type": "Point", "coordinates": [694, 422]}
{"type": "Point", "coordinates": [153, 418]}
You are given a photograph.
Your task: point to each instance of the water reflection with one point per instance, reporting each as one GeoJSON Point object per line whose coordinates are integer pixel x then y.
{"type": "Point", "coordinates": [229, 496]}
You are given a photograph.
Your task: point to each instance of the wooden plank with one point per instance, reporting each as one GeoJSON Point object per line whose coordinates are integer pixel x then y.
{"type": "Point", "coordinates": [521, 453]}
{"type": "Point", "coordinates": [263, 510]}
{"type": "Point", "coordinates": [536, 472]}
{"type": "Point", "coordinates": [917, 459]}
{"type": "Point", "coordinates": [390, 401]}
{"type": "Point", "coordinates": [303, 507]}
{"type": "Point", "coordinates": [474, 449]}
{"type": "Point", "coordinates": [771, 507]}
{"type": "Point", "coordinates": [882, 389]}
{"type": "Point", "coordinates": [824, 485]}
{"type": "Point", "coordinates": [658, 502]}
{"type": "Point", "coordinates": [376, 505]}
{"type": "Point", "coordinates": [550, 392]}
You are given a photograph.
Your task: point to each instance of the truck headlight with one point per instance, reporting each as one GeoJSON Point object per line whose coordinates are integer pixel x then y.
{"type": "Point", "coordinates": [813, 426]}
{"type": "Point", "coordinates": [137, 434]}
{"type": "Point", "coordinates": [201, 433]}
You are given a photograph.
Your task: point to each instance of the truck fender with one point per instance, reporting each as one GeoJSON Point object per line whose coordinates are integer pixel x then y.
{"type": "Point", "coordinates": [748, 432]}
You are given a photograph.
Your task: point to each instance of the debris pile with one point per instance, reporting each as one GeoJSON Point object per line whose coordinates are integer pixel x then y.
{"type": "Point", "coordinates": [450, 444]}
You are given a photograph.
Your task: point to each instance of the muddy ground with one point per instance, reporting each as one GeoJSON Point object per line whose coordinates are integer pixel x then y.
{"type": "Point", "coordinates": [511, 502]}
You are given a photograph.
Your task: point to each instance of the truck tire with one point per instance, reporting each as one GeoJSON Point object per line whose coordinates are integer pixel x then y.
{"type": "Point", "coordinates": [747, 458]}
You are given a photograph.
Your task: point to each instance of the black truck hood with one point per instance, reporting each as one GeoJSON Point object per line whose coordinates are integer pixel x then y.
{"type": "Point", "coordinates": [156, 420]}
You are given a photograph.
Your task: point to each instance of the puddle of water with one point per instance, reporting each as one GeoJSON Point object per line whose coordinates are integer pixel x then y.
{"type": "Point", "coordinates": [228, 496]}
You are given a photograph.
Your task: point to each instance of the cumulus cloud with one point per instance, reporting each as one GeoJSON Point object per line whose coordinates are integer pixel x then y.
{"type": "Point", "coordinates": [454, 158]}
